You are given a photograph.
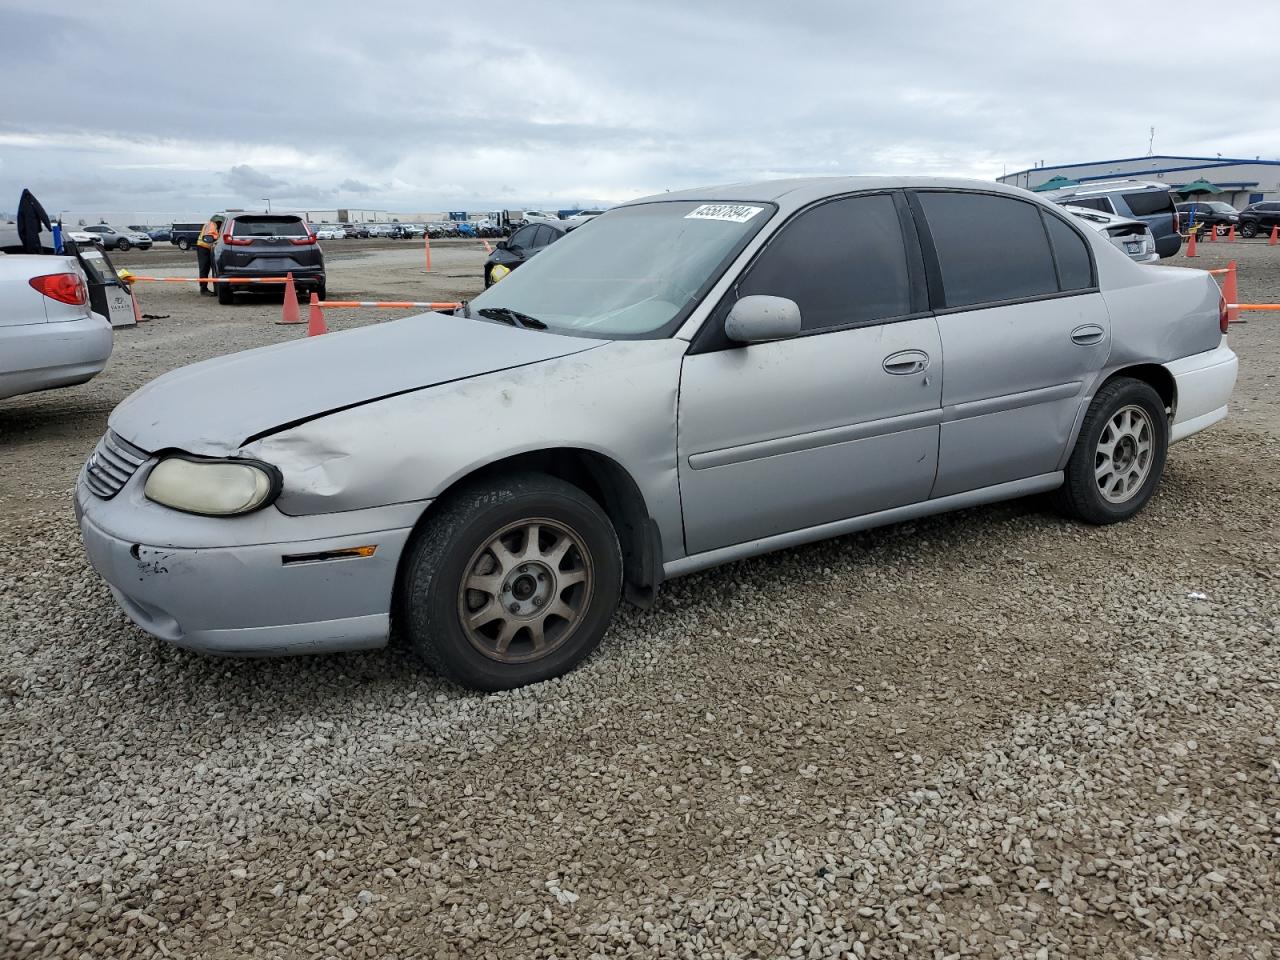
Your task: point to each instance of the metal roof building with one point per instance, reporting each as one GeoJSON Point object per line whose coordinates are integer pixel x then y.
{"type": "Point", "coordinates": [1243, 181]}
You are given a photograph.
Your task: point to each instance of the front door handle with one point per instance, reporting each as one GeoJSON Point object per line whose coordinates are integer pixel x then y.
{"type": "Point", "coordinates": [1088, 334]}
{"type": "Point", "coordinates": [906, 362]}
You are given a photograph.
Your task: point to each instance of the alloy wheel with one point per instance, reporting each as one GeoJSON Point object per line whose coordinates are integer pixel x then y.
{"type": "Point", "coordinates": [1123, 457]}
{"type": "Point", "coordinates": [525, 591]}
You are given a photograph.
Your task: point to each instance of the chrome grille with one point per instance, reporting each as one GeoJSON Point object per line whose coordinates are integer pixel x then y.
{"type": "Point", "coordinates": [113, 462]}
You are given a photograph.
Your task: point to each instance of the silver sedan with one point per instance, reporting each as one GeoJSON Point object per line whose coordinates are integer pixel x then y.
{"type": "Point", "coordinates": [686, 380]}
{"type": "Point", "coordinates": [49, 335]}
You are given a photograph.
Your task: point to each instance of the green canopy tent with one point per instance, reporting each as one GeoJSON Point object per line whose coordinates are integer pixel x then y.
{"type": "Point", "coordinates": [1055, 183]}
{"type": "Point", "coordinates": [1198, 187]}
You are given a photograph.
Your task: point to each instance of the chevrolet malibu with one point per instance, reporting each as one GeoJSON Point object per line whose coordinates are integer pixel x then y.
{"type": "Point", "coordinates": [687, 380]}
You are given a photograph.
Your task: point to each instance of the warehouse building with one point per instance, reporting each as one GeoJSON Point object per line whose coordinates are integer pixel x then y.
{"type": "Point", "coordinates": [1242, 181]}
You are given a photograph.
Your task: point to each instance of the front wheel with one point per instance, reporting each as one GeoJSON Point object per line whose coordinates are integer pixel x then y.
{"type": "Point", "coordinates": [1119, 456]}
{"type": "Point", "coordinates": [1249, 230]}
{"type": "Point", "coordinates": [511, 582]}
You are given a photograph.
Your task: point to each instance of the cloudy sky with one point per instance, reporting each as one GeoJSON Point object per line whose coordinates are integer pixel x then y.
{"type": "Point", "coordinates": [433, 106]}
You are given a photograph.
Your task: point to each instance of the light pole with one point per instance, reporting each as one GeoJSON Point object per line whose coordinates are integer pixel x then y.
{"type": "Point", "coordinates": [267, 200]}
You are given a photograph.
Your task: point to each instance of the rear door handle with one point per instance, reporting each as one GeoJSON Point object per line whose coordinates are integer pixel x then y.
{"type": "Point", "coordinates": [906, 362]}
{"type": "Point", "coordinates": [1088, 334]}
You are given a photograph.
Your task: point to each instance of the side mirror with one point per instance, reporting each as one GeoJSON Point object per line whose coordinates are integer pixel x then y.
{"type": "Point", "coordinates": [758, 318]}
{"type": "Point", "coordinates": [501, 245]}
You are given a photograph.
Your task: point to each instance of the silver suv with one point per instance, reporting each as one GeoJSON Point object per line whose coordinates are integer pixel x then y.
{"type": "Point", "coordinates": [1145, 200]}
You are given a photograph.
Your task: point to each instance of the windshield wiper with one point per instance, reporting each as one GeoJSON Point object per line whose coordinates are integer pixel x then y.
{"type": "Point", "coordinates": [513, 317]}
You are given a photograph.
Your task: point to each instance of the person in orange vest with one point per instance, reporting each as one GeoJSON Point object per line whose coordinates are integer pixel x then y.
{"type": "Point", "coordinates": [204, 250]}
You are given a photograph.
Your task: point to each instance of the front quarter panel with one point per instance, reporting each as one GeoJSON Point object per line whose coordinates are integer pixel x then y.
{"type": "Point", "coordinates": [618, 400]}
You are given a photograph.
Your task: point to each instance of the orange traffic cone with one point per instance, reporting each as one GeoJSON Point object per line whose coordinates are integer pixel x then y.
{"type": "Point", "coordinates": [1231, 234]}
{"type": "Point", "coordinates": [487, 248]}
{"type": "Point", "coordinates": [137, 310]}
{"type": "Point", "coordinates": [1191, 244]}
{"type": "Point", "coordinates": [1213, 234]}
{"type": "Point", "coordinates": [315, 319]}
{"type": "Point", "coordinates": [289, 312]}
{"type": "Point", "coordinates": [1230, 292]}
{"type": "Point", "coordinates": [1275, 236]}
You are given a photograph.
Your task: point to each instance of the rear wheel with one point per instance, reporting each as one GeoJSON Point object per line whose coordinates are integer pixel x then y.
{"type": "Point", "coordinates": [226, 296]}
{"type": "Point", "coordinates": [1249, 230]}
{"type": "Point", "coordinates": [511, 582]}
{"type": "Point", "coordinates": [1119, 456]}
{"type": "Point", "coordinates": [184, 244]}
{"type": "Point", "coordinates": [123, 245]}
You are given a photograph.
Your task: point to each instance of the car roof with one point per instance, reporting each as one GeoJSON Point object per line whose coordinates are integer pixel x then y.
{"type": "Point", "coordinates": [1106, 186]}
{"type": "Point", "coordinates": [801, 191]}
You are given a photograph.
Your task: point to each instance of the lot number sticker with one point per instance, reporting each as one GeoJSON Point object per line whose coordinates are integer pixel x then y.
{"type": "Point", "coordinates": [733, 212]}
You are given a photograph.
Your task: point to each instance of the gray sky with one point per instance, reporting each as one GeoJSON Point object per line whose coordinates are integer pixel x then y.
{"type": "Point", "coordinates": [429, 106]}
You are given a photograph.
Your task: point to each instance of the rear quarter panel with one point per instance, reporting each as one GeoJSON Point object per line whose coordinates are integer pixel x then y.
{"type": "Point", "coordinates": [1158, 314]}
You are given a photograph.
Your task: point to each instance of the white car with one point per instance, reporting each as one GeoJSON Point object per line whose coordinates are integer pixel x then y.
{"type": "Point", "coordinates": [49, 336]}
{"type": "Point", "coordinates": [83, 238]}
{"type": "Point", "coordinates": [330, 231]}
{"type": "Point", "coordinates": [538, 216]}
{"type": "Point", "coordinates": [581, 217]}
{"type": "Point", "coordinates": [1133, 238]}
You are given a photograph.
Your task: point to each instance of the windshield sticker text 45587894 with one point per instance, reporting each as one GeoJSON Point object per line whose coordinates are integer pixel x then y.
{"type": "Point", "coordinates": [733, 212]}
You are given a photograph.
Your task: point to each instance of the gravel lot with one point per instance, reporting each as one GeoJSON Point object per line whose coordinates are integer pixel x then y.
{"type": "Point", "coordinates": [991, 733]}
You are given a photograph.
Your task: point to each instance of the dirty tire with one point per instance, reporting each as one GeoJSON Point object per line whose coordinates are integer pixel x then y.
{"type": "Point", "coordinates": [1081, 496]}
{"type": "Point", "coordinates": [226, 296]}
{"type": "Point", "coordinates": [443, 553]}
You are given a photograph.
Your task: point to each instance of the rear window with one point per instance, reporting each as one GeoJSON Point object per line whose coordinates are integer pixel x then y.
{"type": "Point", "coordinates": [989, 248]}
{"type": "Point", "coordinates": [1091, 203]}
{"type": "Point", "coordinates": [1149, 203]}
{"type": "Point", "coordinates": [269, 227]}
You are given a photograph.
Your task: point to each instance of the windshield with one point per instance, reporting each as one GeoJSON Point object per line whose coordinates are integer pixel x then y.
{"type": "Point", "coordinates": [629, 273]}
{"type": "Point", "coordinates": [269, 227]}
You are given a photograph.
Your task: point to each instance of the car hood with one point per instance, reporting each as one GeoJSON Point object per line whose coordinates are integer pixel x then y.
{"type": "Point", "coordinates": [214, 407]}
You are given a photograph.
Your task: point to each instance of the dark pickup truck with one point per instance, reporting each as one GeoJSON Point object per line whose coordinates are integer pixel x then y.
{"type": "Point", "coordinates": [184, 235]}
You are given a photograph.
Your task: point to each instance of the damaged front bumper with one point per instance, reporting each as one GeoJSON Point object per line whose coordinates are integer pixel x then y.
{"type": "Point", "coordinates": [263, 584]}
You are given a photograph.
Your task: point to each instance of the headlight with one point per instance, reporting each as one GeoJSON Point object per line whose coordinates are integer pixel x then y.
{"type": "Point", "coordinates": [216, 488]}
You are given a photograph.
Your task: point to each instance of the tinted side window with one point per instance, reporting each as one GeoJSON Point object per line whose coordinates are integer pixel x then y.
{"type": "Point", "coordinates": [843, 262]}
{"type": "Point", "coordinates": [522, 238]}
{"type": "Point", "coordinates": [543, 237]}
{"type": "Point", "coordinates": [1075, 270]}
{"type": "Point", "coordinates": [989, 248]}
{"type": "Point", "coordinates": [1149, 203]}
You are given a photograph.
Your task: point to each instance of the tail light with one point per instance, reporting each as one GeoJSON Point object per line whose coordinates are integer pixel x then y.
{"type": "Point", "coordinates": [63, 287]}
{"type": "Point", "coordinates": [1224, 316]}
{"type": "Point", "coordinates": [1177, 222]}
{"type": "Point", "coordinates": [310, 238]}
{"type": "Point", "coordinates": [231, 241]}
